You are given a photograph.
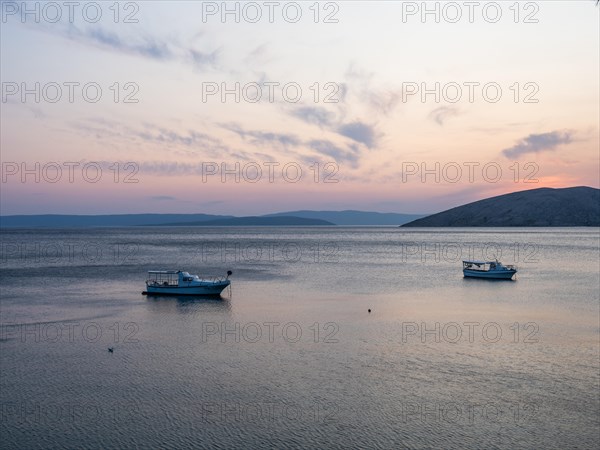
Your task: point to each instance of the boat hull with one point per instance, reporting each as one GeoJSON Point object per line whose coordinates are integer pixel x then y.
{"type": "Point", "coordinates": [202, 289]}
{"type": "Point", "coordinates": [490, 275]}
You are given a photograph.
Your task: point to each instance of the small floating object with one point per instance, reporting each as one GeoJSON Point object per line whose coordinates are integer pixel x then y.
{"type": "Point", "coordinates": [178, 282]}
{"type": "Point", "coordinates": [110, 349]}
{"type": "Point", "coordinates": [369, 311]}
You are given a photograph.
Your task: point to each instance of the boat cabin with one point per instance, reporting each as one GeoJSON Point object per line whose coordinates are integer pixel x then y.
{"type": "Point", "coordinates": [487, 266]}
{"type": "Point", "coordinates": [482, 266]}
{"type": "Point", "coordinates": [168, 277]}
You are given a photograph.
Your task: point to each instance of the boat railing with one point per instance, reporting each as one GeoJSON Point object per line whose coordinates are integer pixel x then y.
{"type": "Point", "coordinates": [213, 279]}
{"type": "Point", "coordinates": [154, 282]}
{"type": "Point", "coordinates": [476, 267]}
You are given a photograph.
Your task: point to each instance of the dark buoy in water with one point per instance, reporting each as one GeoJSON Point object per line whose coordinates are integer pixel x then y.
{"type": "Point", "coordinates": [110, 349]}
{"type": "Point", "coordinates": [369, 311]}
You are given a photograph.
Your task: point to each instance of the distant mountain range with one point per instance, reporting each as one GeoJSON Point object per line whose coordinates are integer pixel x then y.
{"type": "Point", "coordinates": [112, 220]}
{"type": "Point", "coordinates": [351, 217]}
{"type": "Point", "coordinates": [544, 207]}
{"type": "Point", "coordinates": [294, 218]}
{"type": "Point", "coordinates": [254, 221]}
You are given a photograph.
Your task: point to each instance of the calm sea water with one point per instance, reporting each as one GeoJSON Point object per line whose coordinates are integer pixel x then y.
{"type": "Point", "coordinates": [290, 356]}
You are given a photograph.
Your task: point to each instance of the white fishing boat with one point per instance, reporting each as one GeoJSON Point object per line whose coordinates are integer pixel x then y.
{"type": "Point", "coordinates": [488, 269]}
{"type": "Point", "coordinates": [177, 282]}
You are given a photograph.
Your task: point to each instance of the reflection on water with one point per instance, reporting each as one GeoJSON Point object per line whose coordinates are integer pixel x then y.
{"type": "Point", "coordinates": [188, 303]}
{"type": "Point", "coordinates": [489, 280]}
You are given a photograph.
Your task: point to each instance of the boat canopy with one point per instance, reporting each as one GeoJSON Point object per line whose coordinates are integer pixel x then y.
{"type": "Point", "coordinates": [164, 272]}
{"type": "Point", "coordinates": [476, 262]}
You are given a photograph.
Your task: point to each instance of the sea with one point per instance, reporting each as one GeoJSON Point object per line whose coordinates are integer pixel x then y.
{"type": "Point", "coordinates": [329, 337]}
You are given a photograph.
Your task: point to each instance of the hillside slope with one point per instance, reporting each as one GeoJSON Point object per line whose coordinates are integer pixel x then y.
{"type": "Point", "coordinates": [544, 207]}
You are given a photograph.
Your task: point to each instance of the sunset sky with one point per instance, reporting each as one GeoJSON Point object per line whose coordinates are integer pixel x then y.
{"type": "Point", "coordinates": [359, 118]}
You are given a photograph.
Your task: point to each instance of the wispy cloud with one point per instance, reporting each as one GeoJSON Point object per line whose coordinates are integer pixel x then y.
{"type": "Point", "coordinates": [259, 56]}
{"type": "Point", "coordinates": [202, 60]}
{"type": "Point", "coordinates": [146, 46]}
{"type": "Point", "coordinates": [383, 101]}
{"type": "Point", "coordinates": [441, 114]}
{"type": "Point", "coordinates": [15, 101]}
{"type": "Point", "coordinates": [349, 154]}
{"type": "Point", "coordinates": [120, 135]}
{"type": "Point", "coordinates": [262, 138]}
{"type": "Point", "coordinates": [357, 95]}
{"type": "Point", "coordinates": [359, 132]}
{"type": "Point", "coordinates": [162, 197]}
{"type": "Point", "coordinates": [535, 143]}
{"type": "Point", "coordinates": [340, 152]}
{"type": "Point", "coordinates": [137, 44]}
{"type": "Point", "coordinates": [191, 139]}
{"type": "Point", "coordinates": [314, 115]}
{"type": "Point", "coordinates": [380, 100]}
{"type": "Point", "coordinates": [171, 168]}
